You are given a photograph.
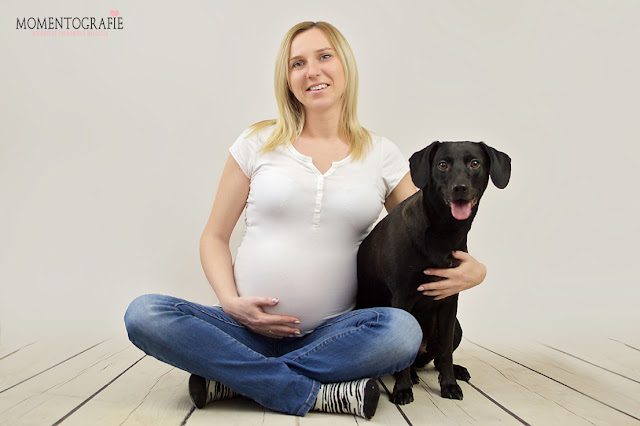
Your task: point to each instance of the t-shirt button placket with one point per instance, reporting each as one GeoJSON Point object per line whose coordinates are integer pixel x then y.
{"type": "Point", "coordinates": [316, 212]}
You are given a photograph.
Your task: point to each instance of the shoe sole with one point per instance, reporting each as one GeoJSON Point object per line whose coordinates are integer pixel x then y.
{"type": "Point", "coordinates": [198, 390]}
{"type": "Point", "coordinates": [371, 397]}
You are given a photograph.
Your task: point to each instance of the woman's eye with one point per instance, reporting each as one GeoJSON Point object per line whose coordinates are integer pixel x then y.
{"type": "Point", "coordinates": [325, 56]}
{"type": "Point", "coordinates": [296, 64]}
{"type": "Point", "coordinates": [442, 165]}
{"type": "Point", "coordinates": [474, 164]}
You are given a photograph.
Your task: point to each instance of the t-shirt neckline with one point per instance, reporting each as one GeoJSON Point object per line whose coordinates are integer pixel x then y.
{"type": "Point", "coordinates": [309, 161]}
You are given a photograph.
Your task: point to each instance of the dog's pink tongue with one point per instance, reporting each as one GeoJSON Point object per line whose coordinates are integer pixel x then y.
{"type": "Point", "coordinates": [461, 210]}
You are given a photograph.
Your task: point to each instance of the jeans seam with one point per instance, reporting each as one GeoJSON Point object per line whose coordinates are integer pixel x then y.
{"type": "Point", "coordinates": [345, 333]}
{"type": "Point", "coordinates": [347, 316]}
{"type": "Point", "coordinates": [208, 314]}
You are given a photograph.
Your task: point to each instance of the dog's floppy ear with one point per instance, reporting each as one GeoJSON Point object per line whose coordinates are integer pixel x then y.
{"type": "Point", "coordinates": [500, 167]}
{"type": "Point", "coordinates": [420, 165]}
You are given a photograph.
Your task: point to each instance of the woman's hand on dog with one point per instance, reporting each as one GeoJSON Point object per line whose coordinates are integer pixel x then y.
{"type": "Point", "coordinates": [249, 312]}
{"type": "Point", "coordinates": [468, 274]}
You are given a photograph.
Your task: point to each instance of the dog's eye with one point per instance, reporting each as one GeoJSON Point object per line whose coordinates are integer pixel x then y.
{"type": "Point", "coordinates": [443, 165]}
{"type": "Point", "coordinates": [474, 164]}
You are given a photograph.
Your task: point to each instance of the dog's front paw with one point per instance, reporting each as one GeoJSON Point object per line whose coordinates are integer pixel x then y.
{"type": "Point", "coordinates": [401, 397]}
{"type": "Point", "coordinates": [451, 391]}
{"type": "Point", "coordinates": [461, 373]}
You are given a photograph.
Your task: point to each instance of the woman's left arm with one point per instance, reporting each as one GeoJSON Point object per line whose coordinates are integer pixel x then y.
{"type": "Point", "coordinates": [403, 190]}
{"type": "Point", "coordinates": [468, 274]}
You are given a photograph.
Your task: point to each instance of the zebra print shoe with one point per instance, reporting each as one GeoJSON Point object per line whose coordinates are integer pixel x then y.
{"type": "Point", "coordinates": [359, 397]}
{"type": "Point", "coordinates": [202, 391]}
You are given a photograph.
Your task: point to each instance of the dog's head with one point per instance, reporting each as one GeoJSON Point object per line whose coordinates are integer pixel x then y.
{"type": "Point", "coordinates": [457, 173]}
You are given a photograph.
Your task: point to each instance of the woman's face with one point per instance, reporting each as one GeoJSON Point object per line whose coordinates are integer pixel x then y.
{"type": "Point", "coordinates": [316, 75]}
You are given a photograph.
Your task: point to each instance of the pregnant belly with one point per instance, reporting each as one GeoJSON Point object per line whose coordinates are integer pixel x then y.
{"type": "Point", "coordinates": [312, 285]}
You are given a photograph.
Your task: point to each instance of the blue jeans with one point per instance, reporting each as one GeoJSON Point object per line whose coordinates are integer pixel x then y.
{"type": "Point", "coordinates": [281, 374]}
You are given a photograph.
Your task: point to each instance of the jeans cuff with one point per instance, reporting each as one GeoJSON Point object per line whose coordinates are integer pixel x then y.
{"type": "Point", "coordinates": [313, 395]}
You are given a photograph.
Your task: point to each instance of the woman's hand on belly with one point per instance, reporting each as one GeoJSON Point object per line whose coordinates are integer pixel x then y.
{"type": "Point", "coordinates": [249, 312]}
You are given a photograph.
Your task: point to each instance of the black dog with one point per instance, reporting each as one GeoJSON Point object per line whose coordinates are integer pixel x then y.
{"type": "Point", "coordinates": [421, 233]}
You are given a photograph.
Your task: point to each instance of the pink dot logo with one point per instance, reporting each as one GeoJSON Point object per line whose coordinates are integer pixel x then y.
{"type": "Point", "coordinates": [114, 13]}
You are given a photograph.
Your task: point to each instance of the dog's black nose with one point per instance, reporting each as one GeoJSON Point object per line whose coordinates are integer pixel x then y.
{"type": "Point", "coordinates": [460, 188]}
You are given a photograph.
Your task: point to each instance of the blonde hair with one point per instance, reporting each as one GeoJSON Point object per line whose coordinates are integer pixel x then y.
{"type": "Point", "coordinates": [291, 116]}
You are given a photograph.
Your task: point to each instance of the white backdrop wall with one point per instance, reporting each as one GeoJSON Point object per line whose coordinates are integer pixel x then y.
{"type": "Point", "coordinates": [112, 147]}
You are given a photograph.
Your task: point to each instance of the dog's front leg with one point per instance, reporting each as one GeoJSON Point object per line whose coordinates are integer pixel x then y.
{"type": "Point", "coordinates": [449, 388]}
{"type": "Point", "coordinates": [402, 393]}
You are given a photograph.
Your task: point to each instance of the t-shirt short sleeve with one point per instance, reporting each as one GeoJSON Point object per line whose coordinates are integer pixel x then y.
{"type": "Point", "coordinates": [245, 153]}
{"type": "Point", "coordinates": [394, 166]}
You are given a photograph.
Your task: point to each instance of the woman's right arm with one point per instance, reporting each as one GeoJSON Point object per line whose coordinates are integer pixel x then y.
{"type": "Point", "coordinates": [215, 256]}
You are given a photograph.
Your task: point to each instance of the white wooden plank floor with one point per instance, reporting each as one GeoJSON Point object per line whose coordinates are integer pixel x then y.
{"type": "Point", "coordinates": [110, 382]}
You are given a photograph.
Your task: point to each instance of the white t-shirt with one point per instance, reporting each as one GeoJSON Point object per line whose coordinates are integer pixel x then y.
{"type": "Point", "coordinates": [303, 228]}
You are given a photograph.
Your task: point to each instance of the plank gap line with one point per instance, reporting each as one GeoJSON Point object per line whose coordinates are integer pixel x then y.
{"type": "Point", "coordinates": [397, 406]}
{"type": "Point", "coordinates": [626, 344]}
{"type": "Point", "coordinates": [186, 418]}
{"type": "Point", "coordinates": [8, 355]}
{"type": "Point", "coordinates": [557, 381]}
{"type": "Point", "coordinates": [424, 385]}
{"type": "Point", "coordinates": [591, 363]}
{"type": "Point", "coordinates": [505, 409]}
{"type": "Point", "coordinates": [53, 366]}
{"type": "Point", "coordinates": [96, 393]}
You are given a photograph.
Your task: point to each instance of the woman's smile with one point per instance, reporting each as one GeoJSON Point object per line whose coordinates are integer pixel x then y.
{"type": "Point", "coordinates": [318, 87]}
